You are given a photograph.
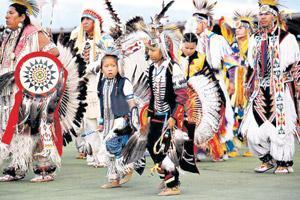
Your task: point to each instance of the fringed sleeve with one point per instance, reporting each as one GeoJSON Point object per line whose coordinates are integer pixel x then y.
{"type": "Point", "coordinates": [289, 51]}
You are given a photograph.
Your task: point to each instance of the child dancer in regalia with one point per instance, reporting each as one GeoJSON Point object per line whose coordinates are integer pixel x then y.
{"type": "Point", "coordinates": [119, 117]}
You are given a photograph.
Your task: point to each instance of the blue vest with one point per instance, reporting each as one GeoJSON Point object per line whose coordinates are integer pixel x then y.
{"type": "Point", "coordinates": [119, 105]}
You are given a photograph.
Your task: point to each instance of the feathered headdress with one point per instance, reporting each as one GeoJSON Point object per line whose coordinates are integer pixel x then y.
{"type": "Point", "coordinates": [79, 35]}
{"type": "Point", "coordinates": [269, 2]}
{"type": "Point", "coordinates": [31, 6]}
{"type": "Point", "coordinates": [166, 37]}
{"type": "Point", "coordinates": [91, 14]}
{"type": "Point", "coordinates": [204, 10]}
{"type": "Point", "coordinates": [107, 46]}
{"type": "Point", "coordinates": [269, 6]}
{"type": "Point", "coordinates": [272, 7]}
{"type": "Point", "coordinates": [245, 19]}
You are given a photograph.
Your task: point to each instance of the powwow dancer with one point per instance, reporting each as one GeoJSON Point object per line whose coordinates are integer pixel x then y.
{"type": "Point", "coordinates": [216, 50]}
{"type": "Point", "coordinates": [163, 81]}
{"type": "Point", "coordinates": [168, 95]}
{"type": "Point", "coordinates": [271, 116]}
{"type": "Point", "coordinates": [36, 105]}
{"type": "Point", "coordinates": [119, 116]}
{"type": "Point", "coordinates": [167, 147]}
{"type": "Point", "coordinates": [87, 37]}
{"type": "Point", "coordinates": [204, 105]}
{"type": "Point", "coordinates": [238, 37]}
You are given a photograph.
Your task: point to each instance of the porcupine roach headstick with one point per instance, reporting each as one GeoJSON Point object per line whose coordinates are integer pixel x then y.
{"type": "Point", "coordinates": [204, 7]}
{"type": "Point", "coordinates": [116, 31]}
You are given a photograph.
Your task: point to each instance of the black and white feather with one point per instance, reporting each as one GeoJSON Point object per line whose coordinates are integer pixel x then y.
{"type": "Point", "coordinates": [158, 17]}
{"type": "Point", "coordinates": [204, 7]}
{"type": "Point", "coordinates": [73, 101]}
{"type": "Point", "coordinates": [136, 146]}
{"type": "Point", "coordinates": [116, 31]}
{"type": "Point", "coordinates": [210, 96]}
{"type": "Point", "coordinates": [134, 24]}
{"type": "Point", "coordinates": [177, 148]}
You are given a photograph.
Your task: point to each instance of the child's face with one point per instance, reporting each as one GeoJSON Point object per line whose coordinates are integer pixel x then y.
{"type": "Point", "coordinates": [109, 67]}
{"type": "Point", "coordinates": [155, 54]}
{"type": "Point", "coordinates": [189, 48]}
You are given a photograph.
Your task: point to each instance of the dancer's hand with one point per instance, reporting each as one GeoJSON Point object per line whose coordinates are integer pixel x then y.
{"type": "Point", "coordinates": [86, 56]}
{"type": "Point", "coordinates": [143, 130]}
{"type": "Point", "coordinates": [100, 128]}
{"type": "Point", "coordinates": [171, 122]}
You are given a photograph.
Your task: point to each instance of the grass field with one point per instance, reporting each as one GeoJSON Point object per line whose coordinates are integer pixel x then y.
{"type": "Point", "coordinates": [232, 179]}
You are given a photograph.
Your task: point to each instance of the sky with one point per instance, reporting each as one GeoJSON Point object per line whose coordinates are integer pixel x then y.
{"type": "Point", "coordinates": [66, 13]}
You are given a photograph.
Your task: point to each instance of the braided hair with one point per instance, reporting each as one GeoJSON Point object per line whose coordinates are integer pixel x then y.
{"type": "Point", "coordinates": [190, 37]}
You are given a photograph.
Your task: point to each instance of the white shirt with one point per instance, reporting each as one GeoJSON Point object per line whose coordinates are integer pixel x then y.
{"type": "Point", "coordinates": [215, 47]}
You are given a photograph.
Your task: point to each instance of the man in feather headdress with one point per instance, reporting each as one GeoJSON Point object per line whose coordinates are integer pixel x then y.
{"type": "Point", "coordinates": [271, 116]}
{"type": "Point", "coordinates": [87, 37]}
{"type": "Point", "coordinates": [217, 50]}
{"type": "Point", "coordinates": [244, 28]}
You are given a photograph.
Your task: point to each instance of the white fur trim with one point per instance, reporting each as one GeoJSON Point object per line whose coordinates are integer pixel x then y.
{"type": "Point", "coordinates": [4, 152]}
{"type": "Point", "coordinates": [265, 139]}
{"type": "Point", "coordinates": [21, 149]}
{"type": "Point", "coordinates": [167, 164]}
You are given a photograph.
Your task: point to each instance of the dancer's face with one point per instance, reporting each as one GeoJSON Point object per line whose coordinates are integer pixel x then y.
{"type": "Point", "coordinates": [87, 24]}
{"type": "Point", "coordinates": [241, 32]}
{"type": "Point", "coordinates": [155, 54]}
{"type": "Point", "coordinates": [13, 18]}
{"type": "Point", "coordinates": [266, 20]}
{"type": "Point", "coordinates": [109, 67]}
{"type": "Point", "coordinates": [201, 26]}
{"type": "Point", "coordinates": [189, 48]}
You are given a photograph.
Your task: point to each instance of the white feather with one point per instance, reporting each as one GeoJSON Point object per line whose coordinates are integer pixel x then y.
{"type": "Point", "coordinates": [70, 103]}
{"type": "Point", "coordinates": [207, 92]}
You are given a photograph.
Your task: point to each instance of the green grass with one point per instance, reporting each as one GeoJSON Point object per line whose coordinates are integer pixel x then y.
{"type": "Point", "coordinates": [233, 179]}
